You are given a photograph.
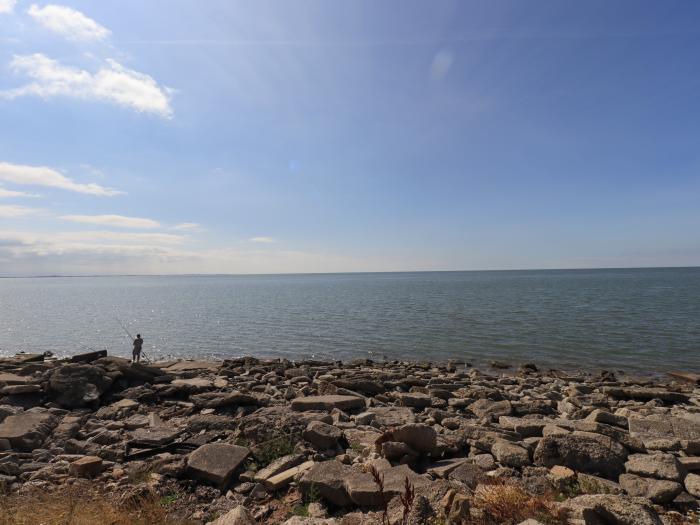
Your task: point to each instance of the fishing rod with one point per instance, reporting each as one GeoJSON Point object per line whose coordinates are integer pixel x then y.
{"type": "Point", "coordinates": [145, 357]}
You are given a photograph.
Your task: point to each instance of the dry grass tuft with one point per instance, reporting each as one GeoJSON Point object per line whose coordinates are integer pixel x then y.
{"type": "Point", "coordinates": [81, 505]}
{"type": "Point", "coordinates": [505, 502]}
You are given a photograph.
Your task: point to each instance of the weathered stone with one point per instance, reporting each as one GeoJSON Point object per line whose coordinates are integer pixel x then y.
{"type": "Point", "coordinates": [237, 516]}
{"type": "Point", "coordinates": [223, 399]}
{"type": "Point", "coordinates": [7, 378]}
{"type": "Point", "coordinates": [692, 484]}
{"type": "Point", "coordinates": [75, 386]}
{"type": "Point", "coordinates": [27, 430]}
{"type": "Point", "coordinates": [216, 462]}
{"type": "Point", "coordinates": [328, 480]}
{"type": "Point", "coordinates": [155, 436]}
{"type": "Point", "coordinates": [657, 491]}
{"type": "Point", "coordinates": [467, 473]}
{"type": "Point", "coordinates": [277, 466]}
{"type": "Point", "coordinates": [444, 467]}
{"type": "Point", "coordinates": [660, 466]}
{"type": "Point", "coordinates": [88, 357]}
{"type": "Point", "coordinates": [490, 408]}
{"type": "Point", "coordinates": [285, 477]}
{"type": "Point", "coordinates": [590, 484]}
{"type": "Point", "coordinates": [658, 427]}
{"type": "Point", "coordinates": [608, 509]}
{"type": "Point", "coordinates": [328, 403]}
{"type": "Point", "coordinates": [645, 394]}
{"type": "Point", "coordinates": [392, 416]}
{"type": "Point", "coordinates": [14, 390]}
{"type": "Point", "coordinates": [415, 400]}
{"type": "Point", "coordinates": [322, 435]}
{"type": "Point", "coordinates": [605, 417]}
{"type": "Point", "coordinates": [418, 437]}
{"type": "Point", "coordinates": [364, 491]}
{"type": "Point", "coordinates": [509, 454]}
{"type": "Point", "coordinates": [86, 467]}
{"type": "Point", "coordinates": [586, 453]}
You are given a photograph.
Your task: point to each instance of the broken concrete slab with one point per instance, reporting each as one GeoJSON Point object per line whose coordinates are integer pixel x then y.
{"type": "Point", "coordinates": [216, 462]}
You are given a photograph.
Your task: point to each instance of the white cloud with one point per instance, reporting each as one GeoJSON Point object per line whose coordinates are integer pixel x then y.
{"type": "Point", "coordinates": [43, 176]}
{"type": "Point", "coordinates": [262, 240]}
{"type": "Point", "coordinates": [441, 64]}
{"type": "Point", "coordinates": [12, 212]}
{"type": "Point", "coordinates": [68, 22]}
{"type": "Point", "coordinates": [111, 83]}
{"type": "Point", "coordinates": [188, 226]}
{"type": "Point", "coordinates": [4, 194]}
{"type": "Point", "coordinates": [7, 6]}
{"type": "Point", "coordinates": [113, 220]}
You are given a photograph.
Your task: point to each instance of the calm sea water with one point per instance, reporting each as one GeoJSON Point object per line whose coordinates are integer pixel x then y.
{"type": "Point", "coordinates": [639, 319]}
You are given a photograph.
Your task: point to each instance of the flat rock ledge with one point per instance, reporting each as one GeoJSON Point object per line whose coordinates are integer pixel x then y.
{"type": "Point", "coordinates": [248, 441]}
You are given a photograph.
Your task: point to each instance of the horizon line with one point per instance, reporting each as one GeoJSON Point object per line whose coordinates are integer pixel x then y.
{"type": "Point", "coordinates": [58, 276]}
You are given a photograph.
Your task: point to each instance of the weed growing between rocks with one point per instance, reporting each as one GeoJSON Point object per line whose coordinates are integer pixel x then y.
{"type": "Point", "coordinates": [81, 505]}
{"type": "Point", "coordinates": [504, 502]}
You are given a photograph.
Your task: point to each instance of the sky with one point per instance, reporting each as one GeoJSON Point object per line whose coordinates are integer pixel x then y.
{"type": "Point", "coordinates": [275, 136]}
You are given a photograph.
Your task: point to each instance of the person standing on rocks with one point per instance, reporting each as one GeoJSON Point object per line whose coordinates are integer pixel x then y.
{"type": "Point", "coordinates": [136, 354]}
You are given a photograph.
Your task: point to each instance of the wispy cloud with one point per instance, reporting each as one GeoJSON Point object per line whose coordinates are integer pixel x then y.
{"type": "Point", "coordinates": [13, 211]}
{"type": "Point", "coordinates": [6, 194]}
{"type": "Point", "coordinates": [113, 220]}
{"type": "Point", "coordinates": [68, 22]}
{"type": "Point", "coordinates": [44, 176]}
{"type": "Point", "coordinates": [188, 226]}
{"type": "Point", "coordinates": [112, 83]}
{"type": "Point", "coordinates": [7, 6]}
{"type": "Point", "coordinates": [262, 240]}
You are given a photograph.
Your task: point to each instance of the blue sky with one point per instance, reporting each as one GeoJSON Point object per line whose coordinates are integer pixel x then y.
{"type": "Point", "coordinates": [304, 136]}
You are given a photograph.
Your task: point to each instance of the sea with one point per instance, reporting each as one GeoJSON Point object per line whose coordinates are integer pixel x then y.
{"type": "Point", "coordinates": [635, 320]}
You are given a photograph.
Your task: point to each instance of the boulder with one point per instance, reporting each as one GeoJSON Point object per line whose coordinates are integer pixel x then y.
{"type": "Point", "coordinates": [364, 491]}
{"type": "Point", "coordinates": [223, 399]}
{"type": "Point", "coordinates": [610, 509]}
{"type": "Point", "coordinates": [328, 403]}
{"type": "Point", "coordinates": [321, 435]}
{"type": "Point", "coordinates": [285, 477]}
{"type": "Point", "coordinates": [651, 428]}
{"type": "Point", "coordinates": [76, 386]}
{"type": "Point", "coordinates": [88, 357]}
{"type": "Point", "coordinates": [489, 408]}
{"type": "Point", "coordinates": [645, 394]}
{"type": "Point", "coordinates": [415, 400]}
{"type": "Point", "coordinates": [417, 436]}
{"type": "Point", "coordinates": [392, 416]}
{"type": "Point", "coordinates": [237, 516]}
{"type": "Point", "coordinates": [657, 491]}
{"type": "Point", "coordinates": [27, 430]}
{"type": "Point", "coordinates": [216, 462]}
{"type": "Point", "coordinates": [327, 479]}
{"type": "Point", "coordinates": [590, 453]}
{"type": "Point", "coordinates": [86, 467]}
{"type": "Point", "coordinates": [509, 454]}
{"type": "Point", "coordinates": [692, 484]}
{"type": "Point", "coordinates": [660, 466]}
{"type": "Point", "coordinates": [467, 473]}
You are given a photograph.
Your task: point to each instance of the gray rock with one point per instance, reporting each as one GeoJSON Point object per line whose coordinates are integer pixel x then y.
{"type": "Point", "coordinates": [417, 436]}
{"type": "Point", "coordinates": [657, 491]}
{"type": "Point", "coordinates": [364, 491]}
{"type": "Point", "coordinates": [609, 509]}
{"type": "Point", "coordinates": [392, 416]}
{"type": "Point", "coordinates": [75, 386]}
{"type": "Point", "coordinates": [467, 473]}
{"type": "Point", "coordinates": [692, 484]}
{"type": "Point", "coordinates": [593, 454]}
{"type": "Point", "coordinates": [510, 455]}
{"type": "Point", "coordinates": [27, 430]}
{"type": "Point", "coordinates": [660, 466]}
{"type": "Point", "coordinates": [223, 399]}
{"type": "Point", "coordinates": [278, 465]}
{"type": "Point", "coordinates": [322, 435]}
{"type": "Point", "coordinates": [237, 516]}
{"type": "Point", "coordinates": [590, 484]}
{"type": "Point", "coordinates": [490, 408]}
{"type": "Point", "coordinates": [328, 480]}
{"type": "Point", "coordinates": [415, 400]}
{"type": "Point", "coordinates": [328, 403]}
{"type": "Point", "coordinates": [216, 462]}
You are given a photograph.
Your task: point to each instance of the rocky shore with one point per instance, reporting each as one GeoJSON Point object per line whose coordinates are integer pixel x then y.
{"type": "Point", "coordinates": [248, 441]}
